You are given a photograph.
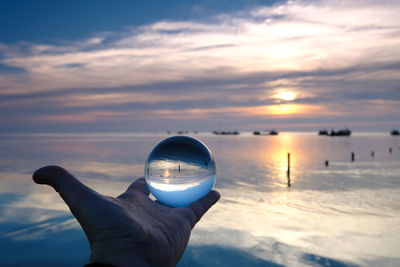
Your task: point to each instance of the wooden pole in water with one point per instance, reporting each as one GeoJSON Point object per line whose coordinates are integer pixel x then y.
{"type": "Point", "coordinates": [326, 163]}
{"type": "Point", "coordinates": [390, 149]}
{"type": "Point", "coordinates": [352, 156]}
{"type": "Point", "coordinates": [288, 169]}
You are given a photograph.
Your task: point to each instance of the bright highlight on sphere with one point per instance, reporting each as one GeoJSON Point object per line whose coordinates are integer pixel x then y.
{"type": "Point", "coordinates": [286, 96]}
{"type": "Point", "coordinates": [180, 170]}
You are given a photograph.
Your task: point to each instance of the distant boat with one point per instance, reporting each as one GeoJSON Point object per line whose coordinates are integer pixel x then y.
{"type": "Point", "coordinates": [395, 132]}
{"type": "Point", "coordinates": [323, 132]}
{"type": "Point", "coordinates": [226, 132]}
{"type": "Point", "coordinates": [345, 132]}
{"type": "Point", "coordinates": [272, 132]}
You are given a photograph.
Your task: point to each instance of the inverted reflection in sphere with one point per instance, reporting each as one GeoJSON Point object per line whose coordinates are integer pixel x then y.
{"type": "Point", "coordinates": [180, 170]}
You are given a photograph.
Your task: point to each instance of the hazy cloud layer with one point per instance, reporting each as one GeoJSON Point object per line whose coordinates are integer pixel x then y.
{"type": "Point", "coordinates": [341, 58]}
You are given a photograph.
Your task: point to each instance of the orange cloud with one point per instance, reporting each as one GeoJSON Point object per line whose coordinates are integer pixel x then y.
{"type": "Point", "coordinates": [255, 111]}
{"type": "Point", "coordinates": [92, 116]}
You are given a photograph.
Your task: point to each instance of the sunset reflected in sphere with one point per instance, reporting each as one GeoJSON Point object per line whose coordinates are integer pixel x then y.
{"type": "Point", "coordinates": [180, 170]}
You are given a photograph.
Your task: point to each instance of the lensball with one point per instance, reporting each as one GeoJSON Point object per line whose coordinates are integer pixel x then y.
{"type": "Point", "coordinates": [180, 170]}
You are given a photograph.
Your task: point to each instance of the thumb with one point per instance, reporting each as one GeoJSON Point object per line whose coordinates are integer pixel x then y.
{"type": "Point", "coordinates": [75, 194]}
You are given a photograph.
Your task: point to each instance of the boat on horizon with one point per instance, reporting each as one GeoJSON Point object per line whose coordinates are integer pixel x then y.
{"type": "Point", "coordinates": [226, 132]}
{"type": "Point", "coordinates": [323, 132]}
{"type": "Point", "coordinates": [345, 132]}
{"type": "Point", "coordinates": [395, 132]}
{"type": "Point", "coordinates": [272, 132]}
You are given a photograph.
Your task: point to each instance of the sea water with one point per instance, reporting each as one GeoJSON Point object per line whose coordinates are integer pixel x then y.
{"type": "Point", "coordinates": [344, 214]}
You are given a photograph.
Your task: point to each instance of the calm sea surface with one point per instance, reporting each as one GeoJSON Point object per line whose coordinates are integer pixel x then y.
{"type": "Point", "coordinates": [342, 215]}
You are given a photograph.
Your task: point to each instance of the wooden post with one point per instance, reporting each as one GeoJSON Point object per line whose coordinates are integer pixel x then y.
{"type": "Point", "coordinates": [288, 169]}
{"type": "Point", "coordinates": [352, 156]}
{"type": "Point", "coordinates": [326, 163]}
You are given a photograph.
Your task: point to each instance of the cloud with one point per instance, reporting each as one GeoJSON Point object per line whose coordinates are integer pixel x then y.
{"type": "Point", "coordinates": [327, 52]}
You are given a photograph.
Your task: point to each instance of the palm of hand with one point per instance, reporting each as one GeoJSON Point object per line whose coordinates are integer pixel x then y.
{"type": "Point", "coordinates": [131, 228]}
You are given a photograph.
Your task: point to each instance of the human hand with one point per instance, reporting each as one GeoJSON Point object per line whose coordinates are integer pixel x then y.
{"type": "Point", "coordinates": [132, 229]}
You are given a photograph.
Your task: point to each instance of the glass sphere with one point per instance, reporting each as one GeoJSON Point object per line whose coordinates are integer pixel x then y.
{"type": "Point", "coordinates": [180, 170]}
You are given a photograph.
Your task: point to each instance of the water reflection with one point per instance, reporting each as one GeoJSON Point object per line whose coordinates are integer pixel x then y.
{"type": "Point", "coordinates": [351, 207]}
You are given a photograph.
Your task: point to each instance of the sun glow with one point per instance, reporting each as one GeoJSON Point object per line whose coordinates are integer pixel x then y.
{"type": "Point", "coordinates": [285, 109]}
{"type": "Point", "coordinates": [286, 95]}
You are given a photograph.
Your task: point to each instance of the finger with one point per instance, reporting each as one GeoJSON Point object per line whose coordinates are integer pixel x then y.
{"type": "Point", "coordinates": [139, 186]}
{"type": "Point", "coordinates": [199, 207]}
{"type": "Point", "coordinates": [75, 194]}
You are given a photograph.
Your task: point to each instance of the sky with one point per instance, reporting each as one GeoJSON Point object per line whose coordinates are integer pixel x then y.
{"type": "Point", "coordinates": [154, 66]}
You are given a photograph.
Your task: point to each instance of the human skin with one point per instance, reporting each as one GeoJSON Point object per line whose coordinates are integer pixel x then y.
{"type": "Point", "coordinates": [131, 229]}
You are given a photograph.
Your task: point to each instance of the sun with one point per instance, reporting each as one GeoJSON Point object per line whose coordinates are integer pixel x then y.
{"type": "Point", "coordinates": [286, 95]}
